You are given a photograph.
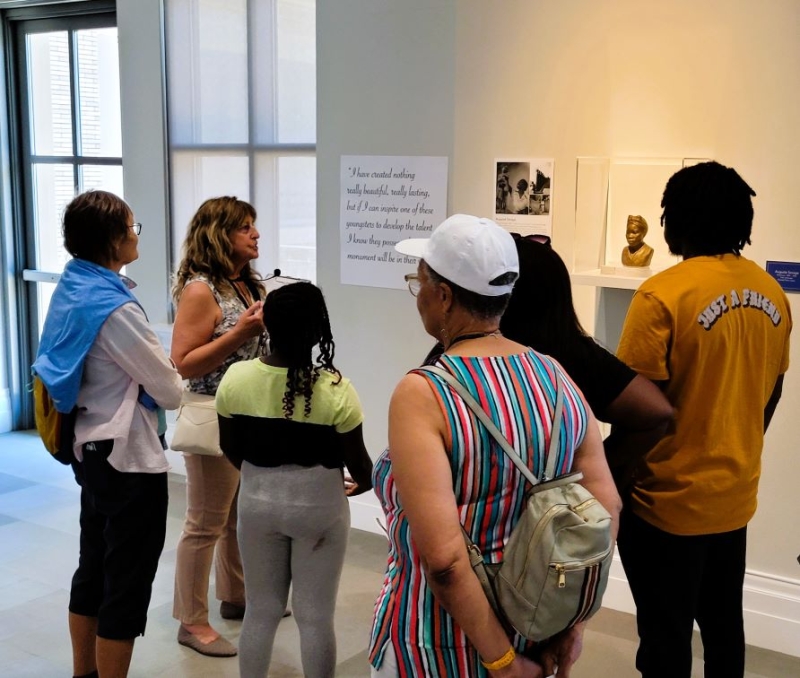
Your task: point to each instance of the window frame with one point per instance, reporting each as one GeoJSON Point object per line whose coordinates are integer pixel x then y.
{"type": "Point", "coordinates": [16, 240]}
{"type": "Point", "coordinates": [254, 151]}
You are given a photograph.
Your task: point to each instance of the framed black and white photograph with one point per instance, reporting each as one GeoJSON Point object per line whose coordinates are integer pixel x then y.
{"type": "Point", "coordinates": [523, 194]}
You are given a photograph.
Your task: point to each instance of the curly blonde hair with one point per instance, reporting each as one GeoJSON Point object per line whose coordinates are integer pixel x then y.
{"type": "Point", "coordinates": [207, 248]}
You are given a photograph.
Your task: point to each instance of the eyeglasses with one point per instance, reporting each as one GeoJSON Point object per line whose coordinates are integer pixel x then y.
{"type": "Point", "coordinates": [414, 283]}
{"type": "Point", "coordinates": [137, 228]}
{"type": "Point", "coordinates": [534, 237]}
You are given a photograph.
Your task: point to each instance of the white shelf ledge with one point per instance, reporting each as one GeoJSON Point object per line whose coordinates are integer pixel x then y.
{"type": "Point", "coordinates": [609, 276]}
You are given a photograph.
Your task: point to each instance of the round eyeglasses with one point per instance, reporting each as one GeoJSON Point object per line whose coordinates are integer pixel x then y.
{"type": "Point", "coordinates": [137, 228]}
{"type": "Point", "coordinates": [413, 282]}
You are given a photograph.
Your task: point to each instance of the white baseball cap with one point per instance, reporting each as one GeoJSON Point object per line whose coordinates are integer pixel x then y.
{"type": "Point", "coordinates": [468, 251]}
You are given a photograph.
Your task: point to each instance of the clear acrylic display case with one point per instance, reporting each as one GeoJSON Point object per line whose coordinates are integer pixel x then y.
{"type": "Point", "coordinates": [607, 191]}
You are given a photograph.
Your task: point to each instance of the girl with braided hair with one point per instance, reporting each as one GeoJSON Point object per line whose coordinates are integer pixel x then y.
{"type": "Point", "coordinates": [291, 422]}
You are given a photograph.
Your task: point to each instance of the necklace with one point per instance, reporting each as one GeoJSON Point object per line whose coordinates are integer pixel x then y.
{"type": "Point", "coordinates": [474, 335]}
{"type": "Point", "coordinates": [242, 294]}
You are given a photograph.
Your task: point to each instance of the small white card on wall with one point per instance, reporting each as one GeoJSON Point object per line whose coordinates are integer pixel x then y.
{"type": "Point", "coordinates": [385, 199]}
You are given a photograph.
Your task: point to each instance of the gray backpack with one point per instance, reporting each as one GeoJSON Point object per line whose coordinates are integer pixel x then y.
{"type": "Point", "coordinates": [556, 562]}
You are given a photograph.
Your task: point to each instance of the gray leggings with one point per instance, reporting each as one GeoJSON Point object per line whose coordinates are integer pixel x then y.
{"type": "Point", "coordinates": [293, 527]}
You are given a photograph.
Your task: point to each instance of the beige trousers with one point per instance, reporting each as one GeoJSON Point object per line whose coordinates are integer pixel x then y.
{"type": "Point", "coordinates": [212, 491]}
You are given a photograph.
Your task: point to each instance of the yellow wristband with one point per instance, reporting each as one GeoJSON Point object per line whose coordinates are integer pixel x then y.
{"type": "Point", "coordinates": [501, 663]}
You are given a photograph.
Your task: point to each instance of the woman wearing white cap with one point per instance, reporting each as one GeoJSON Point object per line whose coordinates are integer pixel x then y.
{"type": "Point", "coordinates": [443, 470]}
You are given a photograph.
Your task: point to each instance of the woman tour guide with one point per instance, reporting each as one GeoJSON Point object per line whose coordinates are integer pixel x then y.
{"type": "Point", "coordinates": [218, 323]}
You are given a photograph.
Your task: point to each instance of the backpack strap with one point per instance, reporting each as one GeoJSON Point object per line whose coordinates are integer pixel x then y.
{"type": "Point", "coordinates": [555, 433]}
{"type": "Point", "coordinates": [485, 577]}
{"type": "Point", "coordinates": [475, 406]}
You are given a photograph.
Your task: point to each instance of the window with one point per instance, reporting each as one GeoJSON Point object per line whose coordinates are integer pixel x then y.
{"type": "Point", "coordinates": [70, 130]}
{"type": "Point", "coordinates": [241, 97]}
{"type": "Point", "coordinates": [61, 134]}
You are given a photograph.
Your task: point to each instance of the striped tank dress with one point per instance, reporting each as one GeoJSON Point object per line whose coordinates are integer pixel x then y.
{"type": "Point", "coordinates": [519, 393]}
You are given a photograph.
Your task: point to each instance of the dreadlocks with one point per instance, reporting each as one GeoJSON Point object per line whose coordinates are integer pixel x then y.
{"type": "Point", "coordinates": [707, 210]}
{"type": "Point", "coordinates": [297, 320]}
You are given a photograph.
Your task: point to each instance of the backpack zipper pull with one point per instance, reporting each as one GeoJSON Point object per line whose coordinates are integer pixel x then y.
{"type": "Point", "coordinates": [562, 576]}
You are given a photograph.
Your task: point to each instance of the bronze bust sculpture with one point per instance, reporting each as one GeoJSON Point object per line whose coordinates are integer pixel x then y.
{"type": "Point", "coordinates": [637, 253]}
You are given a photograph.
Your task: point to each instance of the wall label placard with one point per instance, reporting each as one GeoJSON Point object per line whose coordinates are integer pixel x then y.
{"type": "Point", "coordinates": [787, 273]}
{"type": "Point", "coordinates": [385, 199]}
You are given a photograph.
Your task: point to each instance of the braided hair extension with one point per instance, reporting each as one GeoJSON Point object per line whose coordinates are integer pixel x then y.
{"type": "Point", "coordinates": [707, 210]}
{"type": "Point", "coordinates": [296, 319]}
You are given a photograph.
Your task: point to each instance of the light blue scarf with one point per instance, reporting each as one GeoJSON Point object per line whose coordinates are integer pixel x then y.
{"type": "Point", "coordinates": [84, 298]}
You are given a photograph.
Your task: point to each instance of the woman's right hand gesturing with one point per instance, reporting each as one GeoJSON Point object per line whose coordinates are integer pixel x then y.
{"type": "Point", "coordinates": [251, 322]}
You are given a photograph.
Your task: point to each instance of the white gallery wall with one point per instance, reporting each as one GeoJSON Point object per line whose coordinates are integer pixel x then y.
{"type": "Point", "coordinates": [385, 86]}
{"type": "Point", "coordinates": [522, 78]}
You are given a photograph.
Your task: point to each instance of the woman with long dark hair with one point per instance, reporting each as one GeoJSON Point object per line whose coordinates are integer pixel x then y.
{"type": "Point", "coordinates": [290, 421]}
{"type": "Point", "coordinates": [541, 315]}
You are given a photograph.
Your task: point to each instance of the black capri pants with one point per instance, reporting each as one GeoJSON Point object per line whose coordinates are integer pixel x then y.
{"type": "Point", "coordinates": [123, 527]}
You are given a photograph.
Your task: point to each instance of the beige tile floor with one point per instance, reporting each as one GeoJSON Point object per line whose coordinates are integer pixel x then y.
{"type": "Point", "coordinates": [38, 551]}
